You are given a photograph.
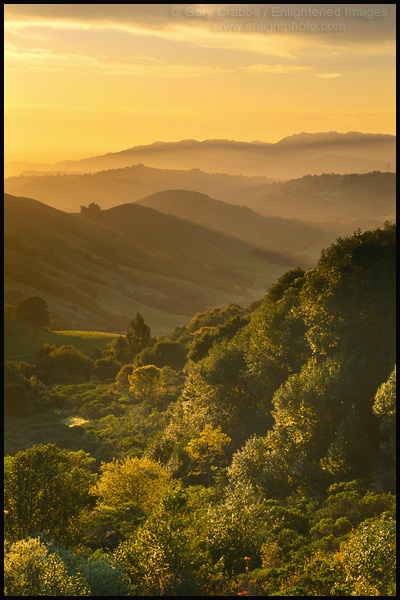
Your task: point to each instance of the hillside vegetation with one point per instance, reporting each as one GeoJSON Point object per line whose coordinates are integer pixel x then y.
{"type": "Point", "coordinates": [249, 452]}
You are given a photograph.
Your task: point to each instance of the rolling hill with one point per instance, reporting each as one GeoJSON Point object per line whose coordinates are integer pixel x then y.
{"type": "Point", "coordinates": [22, 340]}
{"type": "Point", "coordinates": [291, 157]}
{"type": "Point", "coordinates": [271, 233]}
{"type": "Point", "coordinates": [119, 186]}
{"type": "Point", "coordinates": [96, 274]}
{"type": "Point", "coordinates": [362, 200]}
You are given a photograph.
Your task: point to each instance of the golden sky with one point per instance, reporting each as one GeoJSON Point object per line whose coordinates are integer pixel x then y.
{"type": "Point", "coordinates": [83, 80]}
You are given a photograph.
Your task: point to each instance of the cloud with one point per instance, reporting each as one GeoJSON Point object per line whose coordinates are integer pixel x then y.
{"type": "Point", "coordinates": [273, 68]}
{"type": "Point", "coordinates": [347, 32]}
{"type": "Point", "coordinates": [327, 75]}
{"type": "Point", "coordinates": [42, 59]}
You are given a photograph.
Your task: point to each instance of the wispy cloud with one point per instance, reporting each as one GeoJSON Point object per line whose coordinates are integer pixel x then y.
{"type": "Point", "coordinates": [260, 68]}
{"type": "Point", "coordinates": [327, 75]}
{"type": "Point", "coordinates": [42, 59]}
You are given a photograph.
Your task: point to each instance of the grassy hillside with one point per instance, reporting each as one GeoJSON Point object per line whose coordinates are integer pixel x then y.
{"type": "Point", "coordinates": [272, 233]}
{"type": "Point", "coordinates": [22, 340]}
{"type": "Point", "coordinates": [96, 274]}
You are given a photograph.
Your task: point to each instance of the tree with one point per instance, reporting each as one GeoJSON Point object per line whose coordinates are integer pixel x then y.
{"type": "Point", "coordinates": [120, 350]}
{"type": "Point", "coordinates": [65, 364]}
{"type": "Point", "coordinates": [347, 456]}
{"type": "Point", "coordinates": [93, 211]}
{"type": "Point", "coordinates": [349, 301]}
{"type": "Point", "coordinates": [369, 558]}
{"type": "Point", "coordinates": [131, 483]}
{"type": "Point", "coordinates": [385, 409]}
{"type": "Point", "coordinates": [207, 448]}
{"type": "Point", "coordinates": [106, 368]}
{"type": "Point", "coordinates": [45, 488]}
{"type": "Point", "coordinates": [122, 378]}
{"type": "Point", "coordinates": [164, 353]}
{"type": "Point", "coordinates": [30, 569]}
{"type": "Point", "coordinates": [34, 311]}
{"type": "Point", "coordinates": [138, 336]}
{"type": "Point", "coordinates": [147, 384]}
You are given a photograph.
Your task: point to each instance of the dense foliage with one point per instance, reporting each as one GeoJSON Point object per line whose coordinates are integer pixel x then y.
{"type": "Point", "coordinates": [251, 452]}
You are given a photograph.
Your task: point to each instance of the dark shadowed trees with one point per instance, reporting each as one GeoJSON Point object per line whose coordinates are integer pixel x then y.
{"type": "Point", "coordinates": [138, 336]}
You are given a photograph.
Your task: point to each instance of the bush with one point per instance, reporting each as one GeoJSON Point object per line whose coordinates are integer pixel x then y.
{"type": "Point", "coordinates": [106, 368]}
{"type": "Point", "coordinates": [369, 558]}
{"type": "Point", "coordinates": [30, 570]}
{"type": "Point", "coordinates": [65, 364]}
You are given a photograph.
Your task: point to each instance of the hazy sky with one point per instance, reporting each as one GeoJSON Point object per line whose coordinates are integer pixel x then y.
{"type": "Point", "coordinates": [84, 79]}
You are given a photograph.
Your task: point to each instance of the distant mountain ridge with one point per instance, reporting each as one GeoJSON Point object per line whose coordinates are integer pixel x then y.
{"type": "Point", "coordinates": [329, 197]}
{"type": "Point", "coordinates": [291, 157]}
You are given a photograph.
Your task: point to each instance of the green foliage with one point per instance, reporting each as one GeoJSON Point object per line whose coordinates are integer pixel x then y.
{"type": "Point", "coordinates": [163, 354]}
{"type": "Point", "coordinates": [99, 571]}
{"type": "Point", "coordinates": [146, 384]}
{"type": "Point", "coordinates": [33, 311]}
{"type": "Point", "coordinates": [285, 414]}
{"type": "Point", "coordinates": [39, 485]}
{"type": "Point", "coordinates": [106, 368]}
{"type": "Point", "coordinates": [248, 463]}
{"type": "Point", "coordinates": [207, 336]}
{"type": "Point", "coordinates": [122, 378]}
{"type": "Point", "coordinates": [290, 280]}
{"type": "Point", "coordinates": [234, 529]}
{"type": "Point", "coordinates": [346, 456]}
{"type": "Point", "coordinates": [138, 336]}
{"type": "Point", "coordinates": [349, 300]}
{"type": "Point", "coordinates": [120, 350]}
{"type": "Point", "coordinates": [165, 556]}
{"type": "Point", "coordinates": [131, 483]}
{"type": "Point", "coordinates": [369, 558]}
{"type": "Point", "coordinates": [64, 365]}
{"type": "Point", "coordinates": [31, 570]}
{"type": "Point", "coordinates": [385, 409]}
{"type": "Point", "coordinates": [207, 448]}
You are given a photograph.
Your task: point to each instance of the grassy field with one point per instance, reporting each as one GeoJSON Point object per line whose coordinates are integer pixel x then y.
{"type": "Point", "coordinates": [21, 341]}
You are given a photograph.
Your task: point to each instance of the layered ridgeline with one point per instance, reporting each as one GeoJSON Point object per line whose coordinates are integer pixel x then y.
{"type": "Point", "coordinates": [96, 270]}
{"type": "Point", "coordinates": [293, 156]}
{"type": "Point", "coordinates": [359, 199]}
{"type": "Point", "coordinates": [283, 235]}
{"type": "Point", "coordinates": [363, 200]}
{"type": "Point", "coordinates": [117, 186]}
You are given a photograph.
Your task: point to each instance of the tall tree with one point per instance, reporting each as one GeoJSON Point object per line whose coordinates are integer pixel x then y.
{"type": "Point", "coordinates": [138, 336]}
